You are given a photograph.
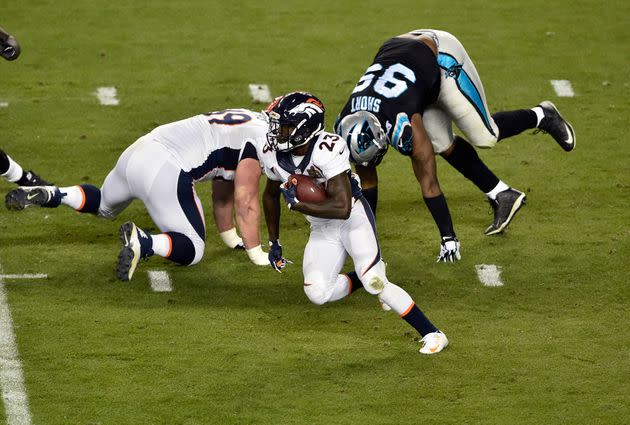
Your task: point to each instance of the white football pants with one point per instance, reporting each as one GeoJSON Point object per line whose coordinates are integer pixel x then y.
{"type": "Point", "coordinates": [148, 172]}
{"type": "Point", "coordinates": [329, 244]}
{"type": "Point", "coordinates": [461, 100]}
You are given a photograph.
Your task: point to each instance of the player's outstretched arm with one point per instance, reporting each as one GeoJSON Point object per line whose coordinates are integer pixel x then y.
{"type": "Point", "coordinates": [423, 161]}
{"type": "Point", "coordinates": [271, 206]}
{"type": "Point", "coordinates": [369, 184]}
{"type": "Point", "coordinates": [223, 211]}
{"type": "Point", "coordinates": [246, 180]}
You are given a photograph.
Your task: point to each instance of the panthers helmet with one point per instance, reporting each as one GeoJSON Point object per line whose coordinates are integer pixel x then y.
{"type": "Point", "coordinates": [365, 137]}
{"type": "Point", "coordinates": [294, 119]}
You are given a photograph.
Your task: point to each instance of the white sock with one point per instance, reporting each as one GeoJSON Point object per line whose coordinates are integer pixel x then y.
{"type": "Point", "coordinates": [500, 187]}
{"type": "Point", "coordinates": [15, 172]}
{"type": "Point", "coordinates": [162, 244]}
{"type": "Point", "coordinates": [396, 297]}
{"type": "Point", "coordinates": [342, 288]}
{"type": "Point", "coordinates": [74, 197]}
{"type": "Point", "coordinates": [540, 114]}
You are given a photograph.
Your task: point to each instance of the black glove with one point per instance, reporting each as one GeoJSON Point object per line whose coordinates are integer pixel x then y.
{"type": "Point", "coordinates": [10, 49]}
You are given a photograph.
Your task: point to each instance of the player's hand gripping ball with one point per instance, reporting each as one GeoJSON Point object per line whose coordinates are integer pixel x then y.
{"type": "Point", "coordinates": [307, 188]}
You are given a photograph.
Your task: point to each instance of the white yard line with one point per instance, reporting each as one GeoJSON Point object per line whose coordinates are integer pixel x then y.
{"type": "Point", "coordinates": [563, 88]}
{"type": "Point", "coordinates": [260, 93]}
{"type": "Point", "coordinates": [24, 276]}
{"type": "Point", "coordinates": [489, 274]}
{"type": "Point", "coordinates": [4, 104]}
{"type": "Point", "coordinates": [11, 376]}
{"type": "Point", "coordinates": [107, 96]}
{"type": "Point", "coordinates": [160, 281]}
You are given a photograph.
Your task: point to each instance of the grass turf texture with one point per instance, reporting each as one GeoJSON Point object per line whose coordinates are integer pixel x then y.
{"type": "Point", "coordinates": [236, 344]}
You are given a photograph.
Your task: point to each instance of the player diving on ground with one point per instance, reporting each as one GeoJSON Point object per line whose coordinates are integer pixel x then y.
{"type": "Point", "coordinates": [161, 169]}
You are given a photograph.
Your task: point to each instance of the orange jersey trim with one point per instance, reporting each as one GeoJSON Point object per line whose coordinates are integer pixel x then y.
{"type": "Point", "coordinates": [408, 309]}
{"type": "Point", "coordinates": [170, 245]}
{"type": "Point", "coordinates": [84, 198]}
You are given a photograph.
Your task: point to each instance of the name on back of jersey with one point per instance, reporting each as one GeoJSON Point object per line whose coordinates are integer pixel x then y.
{"type": "Point", "coordinates": [365, 103]}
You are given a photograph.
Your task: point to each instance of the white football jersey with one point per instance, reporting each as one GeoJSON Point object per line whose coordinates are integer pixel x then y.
{"type": "Point", "coordinates": [327, 157]}
{"type": "Point", "coordinates": [210, 145]}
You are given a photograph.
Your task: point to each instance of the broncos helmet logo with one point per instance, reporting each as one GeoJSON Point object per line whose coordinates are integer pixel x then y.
{"type": "Point", "coordinates": [309, 108]}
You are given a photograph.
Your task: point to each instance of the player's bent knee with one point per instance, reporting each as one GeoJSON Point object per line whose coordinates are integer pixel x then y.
{"type": "Point", "coordinates": [184, 250]}
{"type": "Point", "coordinates": [318, 294]}
{"type": "Point", "coordinates": [374, 280]}
{"type": "Point", "coordinates": [486, 142]}
{"type": "Point", "coordinates": [199, 251]}
{"type": "Point", "coordinates": [374, 284]}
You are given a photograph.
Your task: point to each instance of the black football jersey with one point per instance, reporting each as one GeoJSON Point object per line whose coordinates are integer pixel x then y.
{"type": "Point", "coordinates": [404, 79]}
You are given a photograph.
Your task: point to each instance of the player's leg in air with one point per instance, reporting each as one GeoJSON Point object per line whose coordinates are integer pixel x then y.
{"type": "Point", "coordinates": [504, 200]}
{"type": "Point", "coordinates": [324, 256]}
{"type": "Point", "coordinates": [145, 171]}
{"type": "Point", "coordinates": [462, 100]}
{"type": "Point", "coordinates": [13, 172]}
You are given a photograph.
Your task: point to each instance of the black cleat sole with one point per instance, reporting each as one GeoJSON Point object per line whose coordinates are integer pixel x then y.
{"type": "Point", "coordinates": [125, 259]}
{"type": "Point", "coordinates": [14, 200]}
{"type": "Point", "coordinates": [128, 257]}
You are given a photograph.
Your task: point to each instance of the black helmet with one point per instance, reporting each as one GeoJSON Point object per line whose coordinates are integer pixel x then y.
{"type": "Point", "coordinates": [294, 119]}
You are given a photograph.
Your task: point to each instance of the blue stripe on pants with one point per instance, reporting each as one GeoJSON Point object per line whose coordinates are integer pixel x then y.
{"type": "Point", "coordinates": [465, 85]}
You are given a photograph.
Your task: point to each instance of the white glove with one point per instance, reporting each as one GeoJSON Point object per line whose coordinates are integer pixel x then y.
{"type": "Point", "coordinates": [258, 256]}
{"type": "Point", "coordinates": [232, 239]}
{"type": "Point", "coordinates": [449, 250]}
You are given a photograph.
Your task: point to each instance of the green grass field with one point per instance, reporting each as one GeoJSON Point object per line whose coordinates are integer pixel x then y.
{"type": "Point", "coordinates": [236, 344]}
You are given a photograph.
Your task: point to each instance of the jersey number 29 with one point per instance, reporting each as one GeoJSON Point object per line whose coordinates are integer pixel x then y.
{"type": "Point", "coordinates": [228, 117]}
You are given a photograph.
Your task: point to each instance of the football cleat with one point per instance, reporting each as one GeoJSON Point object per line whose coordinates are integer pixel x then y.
{"type": "Point", "coordinates": [23, 197]}
{"type": "Point", "coordinates": [505, 207]}
{"type": "Point", "coordinates": [136, 244]}
{"type": "Point", "coordinates": [30, 178]}
{"type": "Point", "coordinates": [556, 126]}
{"type": "Point", "coordinates": [433, 343]}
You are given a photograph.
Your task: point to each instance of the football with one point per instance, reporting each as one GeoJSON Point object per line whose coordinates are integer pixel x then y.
{"type": "Point", "coordinates": [308, 190]}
